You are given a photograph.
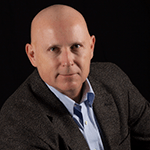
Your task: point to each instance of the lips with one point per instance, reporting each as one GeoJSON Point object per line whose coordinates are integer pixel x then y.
{"type": "Point", "coordinates": [67, 75]}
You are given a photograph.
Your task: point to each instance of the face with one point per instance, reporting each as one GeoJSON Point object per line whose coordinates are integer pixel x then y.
{"type": "Point", "coordinates": [62, 56]}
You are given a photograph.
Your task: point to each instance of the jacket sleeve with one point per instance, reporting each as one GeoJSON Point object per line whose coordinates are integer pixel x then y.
{"type": "Point", "coordinates": [139, 119]}
{"type": "Point", "coordinates": [138, 112]}
{"type": "Point", "coordinates": [20, 129]}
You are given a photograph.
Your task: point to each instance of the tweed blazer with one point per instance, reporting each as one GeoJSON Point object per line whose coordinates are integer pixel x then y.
{"type": "Point", "coordinates": [34, 119]}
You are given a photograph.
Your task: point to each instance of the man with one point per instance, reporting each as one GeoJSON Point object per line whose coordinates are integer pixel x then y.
{"type": "Point", "coordinates": [63, 106]}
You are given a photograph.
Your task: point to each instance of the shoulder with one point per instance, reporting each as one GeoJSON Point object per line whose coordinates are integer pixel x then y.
{"type": "Point", "coordinates": [23, 98]}
{"type": "Point", "coordinates": [23, 107]}
{"type": "Point", "coordinates": [109, 75]}
{"type": "Point", "coordinates": [104, 66]}
{"type": "Point", "coordinates": [106, 70]}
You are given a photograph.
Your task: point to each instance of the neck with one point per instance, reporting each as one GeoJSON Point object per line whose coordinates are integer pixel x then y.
{"type": "Point", "coordinates": [75, 95]}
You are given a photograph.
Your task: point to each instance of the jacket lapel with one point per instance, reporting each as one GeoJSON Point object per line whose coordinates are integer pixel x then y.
{"type": "Point", "coordinates": [69, 131]}
{"type": "Point", "coordinates": [107, 116]}
{"type": "Point", "coordinates": [59, 115]}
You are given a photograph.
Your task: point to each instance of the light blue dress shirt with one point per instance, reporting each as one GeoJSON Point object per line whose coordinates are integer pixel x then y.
{"type": "Point", "coordinates": [83, 115]}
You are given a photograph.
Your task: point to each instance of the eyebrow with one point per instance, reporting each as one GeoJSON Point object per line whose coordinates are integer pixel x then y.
{"type": "Point", "coordinates": [77, 43]}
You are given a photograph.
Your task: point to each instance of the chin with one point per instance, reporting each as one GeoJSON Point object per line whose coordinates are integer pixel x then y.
{"type": "Point", "coordinates": [66, 87]}
{"type": "Point", "coordinates": [69, 87]}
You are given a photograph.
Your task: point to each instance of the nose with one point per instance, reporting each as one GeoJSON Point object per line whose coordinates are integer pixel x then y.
{"type": "Point", "coordinates": [66, 58]}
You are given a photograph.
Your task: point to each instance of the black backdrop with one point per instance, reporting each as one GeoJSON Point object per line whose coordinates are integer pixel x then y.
{"type": "Point", "coordinates": [121, 27]}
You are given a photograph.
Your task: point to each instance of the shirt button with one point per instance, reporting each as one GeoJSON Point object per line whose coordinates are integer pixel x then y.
{"type": "Point", "coordinates": [86, 122]}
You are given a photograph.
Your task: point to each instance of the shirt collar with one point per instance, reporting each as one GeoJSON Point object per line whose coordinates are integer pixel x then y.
{"type": "Point", "coordinates": [88, 94]}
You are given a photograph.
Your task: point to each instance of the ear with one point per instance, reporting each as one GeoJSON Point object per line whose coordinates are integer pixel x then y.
{"type": "Point", "coordinates": [92, 44]}
{"type": "Point", "coordinates": [30, 51]}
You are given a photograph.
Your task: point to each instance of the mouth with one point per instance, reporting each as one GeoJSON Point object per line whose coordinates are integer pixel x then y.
{"type": "Point", "coordinates": [68, 75]}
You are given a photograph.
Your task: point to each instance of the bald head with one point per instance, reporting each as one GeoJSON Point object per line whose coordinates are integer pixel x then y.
{"type": "Point", "coordinates": [56, 17]}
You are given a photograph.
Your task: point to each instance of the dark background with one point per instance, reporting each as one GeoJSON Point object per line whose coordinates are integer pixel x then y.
{"type": "Point", "coordinates": [122, 30]}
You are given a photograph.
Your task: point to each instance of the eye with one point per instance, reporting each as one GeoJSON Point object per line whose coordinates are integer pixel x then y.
{"type": "Point", "coordinates": [75, 46]}
{"type": "Point", "coordinates": [53, 49]}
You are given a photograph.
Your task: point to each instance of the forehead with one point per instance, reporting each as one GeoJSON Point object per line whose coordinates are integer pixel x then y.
{"type": "Point", "coordinates": [59, 34]}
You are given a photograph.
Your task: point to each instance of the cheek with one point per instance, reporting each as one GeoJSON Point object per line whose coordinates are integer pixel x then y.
{"type": "Point", "coordinates": [45, 73]}
{"type": "Point", "coordinates": [45, 62]}
{"type": "Point", "coordinates": [85, 64]}
{"type": "Point", "coordinates": [47, 69]}
{"type": "Point", "coordinates": [86, 58]}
